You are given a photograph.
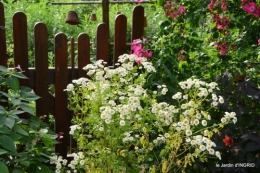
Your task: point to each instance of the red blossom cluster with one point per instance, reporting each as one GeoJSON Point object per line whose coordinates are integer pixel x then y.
{"type": "Point", "coordinates": [228, 141]}
{"type": "Point", "coordinates": [251, 8]}
{"type": "Point", "coordinates": [138, 50]}
{"type": "Point", "coordinates": [215, 3]}
{"type": "Point", "coordinates": [223, 47]}
{"type": "Point", "coordinates": [172, 11]}
{"type": "Point", "coordinates": [222, 22]}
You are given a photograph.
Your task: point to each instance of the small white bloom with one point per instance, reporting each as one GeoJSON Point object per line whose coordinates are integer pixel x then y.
{"type": "Point", "coordinates": [218, 155]}
{"type": "Point", "coordinates": [122, 123]}
{"type": "Point", "coordinates": [221, 100]}
{"type": "Point", "coordinates": [223, 120]}
{"type": "Point", "coordinates": [204, 122]}
{"type": "Point", "coordinates": [202, 147]}
{"type": "Point", "coordinates": [188, 132]}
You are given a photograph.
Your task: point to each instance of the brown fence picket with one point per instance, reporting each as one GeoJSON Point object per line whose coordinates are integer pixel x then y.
{"type": "Point", "coordinates": [62, 117]}
{"type": "Point", "coordinates": [83, 53]}
{"type": "Point", "coordinates": [102, 47]}
{"type": "Point", "coordinates": [21, 44]}
{"type": "Point", "coordinates": [3, 59]}
{"type": "Point", "coordinates": [120, 37]}
{"type": "Point", "coordinates": [41, 68]}
{"type": "Point", "coordinates": [138, 22]}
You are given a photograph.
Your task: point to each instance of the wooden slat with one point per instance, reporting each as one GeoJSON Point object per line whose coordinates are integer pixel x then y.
{"type": "Point", "coordinates": [83, 53]}
{"type": "Point", "coordinates": [102, 42]}
{"type": "Point", "coordinates": [3, 59]}
{"type": "Point", "coordinates": [138, 22]}
{"type": "Point", "coordinates": [62, 117]}
{"type": "Point", "coordinates": [120, 37]}
{"type": "Point", "coordinates": [72, 57]}
{"type": "Point", "coordinates": [41, 69]}
{"type": "Point", "coordinates": [21, 43]}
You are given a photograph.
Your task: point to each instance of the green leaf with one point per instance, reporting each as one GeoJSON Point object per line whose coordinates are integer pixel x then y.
{"type": "Point", "coordinates": [13, 83]}
{"type": "Point", "coordinates": [30, 97]}
{"type": "Point", "coordinates": [2, 151]}
{"type": "Point", "coordinates": [25, 163]}
{"type": "Point", "coordinates": [3, 69]}
{"type": "Point", "coordinates": [2, 120]}
{"type": "Point", "coordinates": [15, 136]}
{"type": "Point", "coordinates": [26, 108]}
{"type": "Point", "coordinates": [47, 141]}
{"type": "Point", "coordinates": [15, 102]}
{"type": "Point", "coordinates": [15, 112]}
{"type": "Point", "coordinates": [18, 129]}
{"type": "Point", "coordinates": [9, 122]}
{"type": "Point", "coordinates": [7, 143]}
{"type": "Point", "coordinates": [2, 110]}
{"type": "Point", "coordinates": [4, 130]}
{"type": "Point", "coordinates": [19, 75]}
{"type": "Point", "coordinates": [3, 168]}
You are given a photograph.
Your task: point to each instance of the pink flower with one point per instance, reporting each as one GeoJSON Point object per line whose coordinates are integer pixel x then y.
{"type": "Point", "coordinates": [138, 1]}
{"type": "Point", "coordinates": [223, 48]}
{"type": "Point", "coordinates": [223, 22]}
{"type": "Point", "coordinates": [211, 5]}
{"type": "Point", "coordinates": [216, 18]}
{"type": "Point", "coordinates": [182, 51]}
{"type": "Point", "coordinates": [259, 41]}
{"type": "Point", "coordinates": [250, 8]}
{"type": "Point", "coordinates": [181, 10]}
{"type": "Point", "coordinates": [224, 6]}
{"type": "Point", "coordinates": [257, 12]}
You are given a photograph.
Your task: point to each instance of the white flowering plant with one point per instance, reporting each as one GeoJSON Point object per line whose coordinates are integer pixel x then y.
{"type": "Point", "coordinates": [119, 125]}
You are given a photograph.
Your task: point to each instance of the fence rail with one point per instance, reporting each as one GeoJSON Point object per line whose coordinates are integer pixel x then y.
{"type": "Point", "coordinates": [40, 77]}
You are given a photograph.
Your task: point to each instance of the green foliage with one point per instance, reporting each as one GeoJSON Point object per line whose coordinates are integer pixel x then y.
{"type": "Point", "coordinates": [25, 144]}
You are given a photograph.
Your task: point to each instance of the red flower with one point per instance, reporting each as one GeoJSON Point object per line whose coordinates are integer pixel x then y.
{"type": "Point", "coordinates": [228, 141]}
{"type": "Point", "coordinates": [181, 10]}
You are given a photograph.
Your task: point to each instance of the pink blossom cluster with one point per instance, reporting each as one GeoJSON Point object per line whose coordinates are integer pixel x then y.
{"type": "Point", "coordinates": [221, 22]}
{"type": "Point", "coordinates": [215, 3]}
{"type": "Point", "coordinates": [223, 47]}
{"type": "Point", "coordinates": [172, 11]}
{"type": "Point", "coordinates": [251, 8]}
{"type": "Point", "coordinates": [138, 50]}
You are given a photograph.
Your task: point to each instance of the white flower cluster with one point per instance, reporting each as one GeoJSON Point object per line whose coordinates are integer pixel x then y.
{"type": "Point", "coordinates": [164, 112]}
{"type": "Point", "coordinates": [58, 161]}
{"type": "Point", "coordinates": [78, 159]}
{"type": "Point", "coordinates": [204, 144]}
{"type": "Point", "coordinates": [159, 139]}
{"type": "Point", "coordinates": [128, 137]}
{"type": "Point", "coordinates": [228, 116]}
{"type": "Point", "coordinates": [73, 128]}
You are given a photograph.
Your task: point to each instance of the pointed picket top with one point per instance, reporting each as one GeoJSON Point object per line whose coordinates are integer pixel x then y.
{"type": "Point", "coordinates": [138, 22]}
{"type": "Point", "coordinates": [120, 37]}
{"type": "Point", "coordinates": [21, 43]}
{"type": "Point", "coordinates": [41, 69]}
{"type": "Point", "coordinates": [83, 53]}
{"type": "Point", "coordinates": [102, 47]}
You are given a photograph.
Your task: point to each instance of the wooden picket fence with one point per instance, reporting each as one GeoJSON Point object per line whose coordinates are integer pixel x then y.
{"type": "Point", "coordinates": [40, 77]}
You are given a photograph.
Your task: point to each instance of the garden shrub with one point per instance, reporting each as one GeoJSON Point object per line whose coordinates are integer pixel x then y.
{"type": "Point", "coordinates": [25, 144]}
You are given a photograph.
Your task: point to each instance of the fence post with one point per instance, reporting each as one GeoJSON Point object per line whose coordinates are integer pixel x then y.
{"type": "Point", "coordinates": [120, 37]}
{"type": "Point", "coordinates": [102, 42]}
{"type": "Point", "coordinates": [62, 116]}
{"type": "Point", "coordinates": [83, 53]}
{"type": "Point", "coordinates": [138, 22]}
{"type": "Point", "coordinates": [41, 69]}
{"type": "Point", "coordinates": [3, 59]}
{"type": "Point", "coordinates": [21, 44]}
